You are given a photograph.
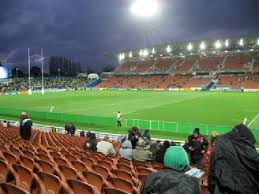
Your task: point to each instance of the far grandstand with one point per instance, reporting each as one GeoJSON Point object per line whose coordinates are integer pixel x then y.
{"type": "Point", "coordinates": [226, 64]}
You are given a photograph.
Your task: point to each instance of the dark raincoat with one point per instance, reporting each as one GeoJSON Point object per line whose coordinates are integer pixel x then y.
{"type": "Point", "coordinates": [234, 166]}
{"type": "Point", "coordinates": [25, 128]}
{"type": "Point", "coordinates": [170, 182]}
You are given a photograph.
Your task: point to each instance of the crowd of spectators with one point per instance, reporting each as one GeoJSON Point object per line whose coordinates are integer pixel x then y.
{"type": "Point", "coordinates": [21, 84]}
{"type": "Point", "coordinates": [232, 155]}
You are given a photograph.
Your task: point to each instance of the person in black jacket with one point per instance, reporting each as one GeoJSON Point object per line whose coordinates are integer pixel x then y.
{"type": "Point", "coordinates": [25, 126]}
{"type": "Point", "coordinates": [134, 136]}
{"type": "Point", "coordinates": [172, 180]}
{"type": "Point", "coordinates": [161, 152]}
{"type": "Point", "coordinates": [197, 145]}
{"type": "Point", "coordinates": [91, 142]}
{"type": "Point", "coordinates": [234, 164]}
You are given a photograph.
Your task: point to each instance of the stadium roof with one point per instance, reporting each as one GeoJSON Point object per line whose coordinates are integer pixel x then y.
{"type": "Point", "coordinates": [190, 47]}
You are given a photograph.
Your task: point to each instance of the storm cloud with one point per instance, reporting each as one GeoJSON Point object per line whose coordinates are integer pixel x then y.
{"type": "Point", "coordinates": [86, 30]}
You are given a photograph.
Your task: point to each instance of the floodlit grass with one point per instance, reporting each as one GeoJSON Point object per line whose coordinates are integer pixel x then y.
{"type": "Point", "coordinates": [215, 108]}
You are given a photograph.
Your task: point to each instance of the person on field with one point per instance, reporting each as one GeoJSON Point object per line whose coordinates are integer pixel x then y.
{"type": "Point", "coordinates": [197, 146]}
{"type": "Point", "coordinates": [172, 180]}
{"type": "Point", "coordinates": [25, 126]}
{"type": "Point", "coordinates": [119, 117]}
{"type": "Point", "coordinates": [234, 164]}
{"type": "Point", "coordinates": [106, 147]}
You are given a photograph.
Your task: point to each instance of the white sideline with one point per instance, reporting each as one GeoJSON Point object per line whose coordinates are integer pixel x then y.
{"type": "Point", "coordinates": [251, 122]}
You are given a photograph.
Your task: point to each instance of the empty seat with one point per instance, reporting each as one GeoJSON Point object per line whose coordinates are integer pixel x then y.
{"type": "Point", "coordinates": [88, 162]}
{"type": "Point", "coordinates": [101, 170]}
{"type": "Point", "coordinates": [108, 190]}
{"type": "Point", "coordinates": [43, 157]}
{"type": "Point", "coordinates": [46, 166]}
{"type": "Point", "coordinates": [81, 187]}
{"type": "Point", "coordinates": [94, 179]}
{"type": "Point", "coordinates": [144, 171]}
{"type": "Point", "coordinates": [125, 175]}
{"type": "Point", "coordinates": [105, 164]}
{"type": "Point", "coordinates": [124, 167]}
{"type": "Point", "coordinates": [27, 162]}
{"type": "Point", "coordinates": [122, 184]}
{"type": "Point", "coordinates": [3, 171]}
{"type": "Point", "coordinates": [79, 166]}
{"type": "Point", "coordinates": [51, 182]}
{"type": "Point", "coordinates": [68, 173]}
{"type": "Point", "coordinates": [23, 177]}
{"type": "Point", "coordinates": [10, 158]}
{"type": "Point", "coordinates": [7, 188]}
{"type": "Point", "coordinates": [60, 161]}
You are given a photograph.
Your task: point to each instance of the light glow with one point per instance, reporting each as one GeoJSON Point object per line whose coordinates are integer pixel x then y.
{"type": "Point", "coordinates": [153, 51]}
{"type": "Point", "coordinates": [130, 54]}
{"type": "Point", "coordinates": [241, 42]}
{"type": "Point", "coordinates": [144, 8]}
{"type": "Point", "coordinates": [145, 53]}
{"type": "Point", "coordinates": [227, 43]}
{"type": "Point", "coordinates": [218, 44]}
{"type": "Point", "coordinates": [189, 47]}
{"type": "Point", "coordinates": [168, 49]}
{"type": "Point", "coordinates": [258, 41]}
{"type": "Point", "coordinates": [202, 46]}
{"type": "Point", "coordinates": [121, 56]}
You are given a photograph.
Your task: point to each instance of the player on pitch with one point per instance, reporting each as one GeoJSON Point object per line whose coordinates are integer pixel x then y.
{"type": "Point", "coordinates": [119, 116]}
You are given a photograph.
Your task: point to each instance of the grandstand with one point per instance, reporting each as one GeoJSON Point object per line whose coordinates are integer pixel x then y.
{"type": "Point", "coordinates": [229, 67]}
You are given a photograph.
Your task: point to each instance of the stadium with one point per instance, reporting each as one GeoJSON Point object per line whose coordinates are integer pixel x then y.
{"type": "Point", "coordinates": [65, 131]}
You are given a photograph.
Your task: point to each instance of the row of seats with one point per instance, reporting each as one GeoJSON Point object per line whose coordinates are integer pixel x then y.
{"type": "Point", "coordinates": [191, 63]}
{"type": "Point", "coordinates": [56, 163]}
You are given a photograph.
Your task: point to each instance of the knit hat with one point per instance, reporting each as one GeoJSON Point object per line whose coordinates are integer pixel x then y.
{"type": "Point", "coordinates": [196, 131]}
{"type": "Point", "coordinates": [176, 158]}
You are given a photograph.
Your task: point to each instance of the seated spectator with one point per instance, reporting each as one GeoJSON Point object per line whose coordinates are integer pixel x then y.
{"type": "Point", "coordinates": [172, 179]}
{"type": "Point", "coordinates": [126, 150]}
{"type": "Point", "coordinates": [5, 123]}
{"type": "Point", "coordinates": [161, 152]}
{"type": "Point", "coordinates": [213, 137]}
{"type": "Point", "coordinates": [105, 147]}
{"type": "Point", "coordinates": [146, 136]}
{"type": "Point", "coordinates": [90, 143]}
{"type": "Point", "coordinates": [153, 149]}
{"type": "Point", "coordinates": [134, 136]}
{"type": "Point", "coordinates": [234, 166]}
{"type": "Point", "coordinates": [197, 146]}
{"type": "Point", "coordinates": [142, 153]}
{"type": "Point", "coordinates": [25, 126]}
{"type": "Point", "coordinates": [82, 133]}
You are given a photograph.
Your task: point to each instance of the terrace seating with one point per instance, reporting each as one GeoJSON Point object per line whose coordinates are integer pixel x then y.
{"type": "Point", "coordinates": [209, 63]}
{"type": "Point", "coordinates": [51, 169]}
{"type": "Point", "coordinates": [237, 62]}
{"type": "Point", "coordinates": [252, 82]}
{"type": "Point", "coordinates": [230, 81]}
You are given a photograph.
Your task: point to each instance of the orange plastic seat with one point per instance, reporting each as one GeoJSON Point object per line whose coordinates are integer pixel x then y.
{"type": "Point", "coordinates": [3, 171]}
{"type": "Point", "coordinates": [51, 183]}
{"type": "Point", "coordinates": [144, 171]}
{"type": "Point", "coordinates": [46, 166]}
{"type": "Point", "coordinates": [108, 190]}
{"type": "Point", "coordinates": [27, 162]}
{"type": "Point", "coordinates": [81, 187]}
{"type": "Point", "coordinates": [68, 173]}
{"type": "Point", "coordinates": [122, 184]}
{"type": "Point", "coordinates": [124, 167]}
{"type": "Point", "coordinates": [10, 158]}
{"type": "Point", "coordinates": [94, 179]}
{"type": "Point", "coordinates": [101, 170]}
{"type": "Point", "coordinates": [60, 161]}
{"type": "Point", "coordinates": [88, 162]}
{"type": "Point", "coordinates": [7, 188]}
{"type": "Point", "coordinates": [23, 177]}
{"type": "Point", "coordinates": [79, 166]}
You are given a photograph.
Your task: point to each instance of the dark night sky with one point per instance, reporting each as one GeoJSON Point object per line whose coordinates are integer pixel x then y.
{"type": "Point", "coordinates": [85, 30]}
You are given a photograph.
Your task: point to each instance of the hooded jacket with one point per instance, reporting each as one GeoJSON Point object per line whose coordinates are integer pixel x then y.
{"type": "Point", "coordinates": [142, 153]}
{"type": "Point", "coordinates": [25, 127]}
{"type": "Point", "coordinates": [234, 165]}
{"type": "Point", "coordinates": [172, 180]}
{"type": "Point", "coordinates": [126, 150]}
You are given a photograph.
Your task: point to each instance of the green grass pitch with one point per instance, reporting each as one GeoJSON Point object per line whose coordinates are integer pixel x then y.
{"type": "Point", "coordinates": [216, 108]}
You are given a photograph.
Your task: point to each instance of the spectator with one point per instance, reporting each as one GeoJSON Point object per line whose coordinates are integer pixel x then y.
{"type": "Point", "coordinates": [25, 126]}
{"type": "Point", "coordinates": [172, 180]}
{"type": "Point", "coordinates": [234, 166]}
{"type": "Point", "coordinates": [5, 123]}
{"type": "Point", "coordinates": [82, 133]}
{"type": "Point", "coordinates": [173, 143]}
{"type": "Point", "coordinates": [134, 136]}
{"type": "Point", "coordinates": [153, 149]}
{"type": "Point", "coordinates": [146, 136]}
{"type": "Point", "coordinates": [197, 146]}
{"type": "Point", "coordinates": [67, 127]}
{"type": "Point", "coordinates": [105, 147]}
{"type": "Point", "coordinates": [90, 143]}
{"type": "Point", "coordinates": [161, 152]}
{"type": "Point", "coordinates": [126, 150]}
{"type": "Point", "coordinates": [142, 153]}
{"type": "Point", "coordinates": [72, 129]}
{"type": "Point", "coordinates": [213, 137]}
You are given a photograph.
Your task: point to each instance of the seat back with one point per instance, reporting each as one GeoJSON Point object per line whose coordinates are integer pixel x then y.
{"type": "Point", "coordinates": [3, 171]}
{"type": "Point", "coordinates": [101, 170]}
{"type": "Point", "coordinates": [121, 184]}
{"type": "Point", "coordinates": [7, 188]}
{"type": "Point", "coordinates": [69, 173]}
{"type": "Point", "coordinates": [25, 176]}
{"type": "Point", "coordinates": [46, 166]}
{"type": "Point", "coordinates": [51, 182]}
{"type": "Point", "coordinates": [27, 162]}
{"type": "Point", "coordinates": [80, 187]}
{"type": "Point", "coordinates": [94, 179]}
{"type": "Point", "coordinates": [108, 190]}
{"type": "Point", "coordinates": [79, 166]}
